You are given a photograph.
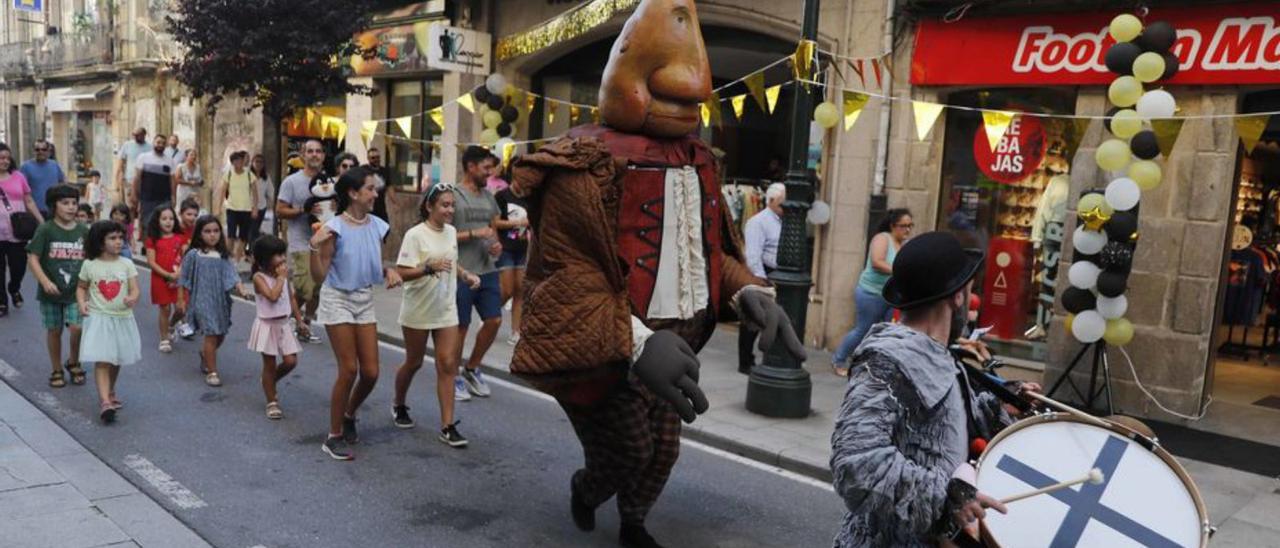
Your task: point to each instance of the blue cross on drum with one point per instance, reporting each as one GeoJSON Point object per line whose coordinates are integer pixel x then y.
{"type": "Point", "coordinates": [1142, 501]}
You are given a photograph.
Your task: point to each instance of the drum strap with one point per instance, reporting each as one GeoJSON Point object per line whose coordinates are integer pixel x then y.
{"type": "Point", "coordinates": [976, 428]}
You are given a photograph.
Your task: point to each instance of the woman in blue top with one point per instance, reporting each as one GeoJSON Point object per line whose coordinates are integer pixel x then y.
{"type": "Point", "coordinates": [869, 306]}
{"type": "Point", "coordinates": [347, 259]}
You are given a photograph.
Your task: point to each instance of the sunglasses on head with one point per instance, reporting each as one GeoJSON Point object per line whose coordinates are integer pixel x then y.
{"type": "Point", "coordinates": [438, 188]}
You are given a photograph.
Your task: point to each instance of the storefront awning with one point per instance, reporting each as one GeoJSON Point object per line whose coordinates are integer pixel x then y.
{"type": "Point", "coordinates": [89, 92]}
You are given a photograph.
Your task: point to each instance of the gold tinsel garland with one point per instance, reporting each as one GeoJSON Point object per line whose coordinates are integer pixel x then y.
{"type": "Point", "coordinates": [566, 26]}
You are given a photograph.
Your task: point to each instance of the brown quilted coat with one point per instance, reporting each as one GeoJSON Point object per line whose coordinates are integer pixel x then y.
{"type": "Point", "coordinates": [576, 328]}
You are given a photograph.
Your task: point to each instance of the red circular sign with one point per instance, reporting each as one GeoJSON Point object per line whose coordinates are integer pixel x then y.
{"type": "Point", "coordinates": [1019, 153]}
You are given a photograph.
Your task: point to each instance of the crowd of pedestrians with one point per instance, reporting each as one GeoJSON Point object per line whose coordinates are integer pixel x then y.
{"type": "Point", "coordinates": [464, 256]}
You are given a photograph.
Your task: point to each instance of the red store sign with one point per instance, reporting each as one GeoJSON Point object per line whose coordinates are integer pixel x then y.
{"type": "Point", "coordinates": [1218, 44]}
{"type": "Point", "coordinates": [1018, 154]}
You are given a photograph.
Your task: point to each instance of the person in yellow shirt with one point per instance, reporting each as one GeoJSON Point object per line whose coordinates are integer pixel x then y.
{"type": "Point", "coordinates": [240, 190]}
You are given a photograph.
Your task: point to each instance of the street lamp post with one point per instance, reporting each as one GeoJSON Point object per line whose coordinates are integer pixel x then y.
{"type": "Point", "coordinates": [780, 387]}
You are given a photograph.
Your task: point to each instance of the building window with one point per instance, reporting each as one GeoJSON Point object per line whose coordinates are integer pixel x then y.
{"type": "Point", "coordinates": [412, 159]}
{"type": "Point", "coordinates": [1010, 202]}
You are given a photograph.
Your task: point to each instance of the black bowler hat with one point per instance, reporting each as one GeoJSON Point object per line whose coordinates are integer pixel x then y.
{"type": "Point", "coordinates": [928, 268]}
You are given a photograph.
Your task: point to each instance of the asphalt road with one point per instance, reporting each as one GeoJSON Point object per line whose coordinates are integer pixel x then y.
{"type": "Point", "coordinates": [211, 457]}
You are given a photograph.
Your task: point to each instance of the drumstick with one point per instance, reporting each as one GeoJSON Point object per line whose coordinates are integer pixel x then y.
{"type": "Point", "coordinates": [1095, 476]}
{"type": "Point", "coordinates": [1067, 408]}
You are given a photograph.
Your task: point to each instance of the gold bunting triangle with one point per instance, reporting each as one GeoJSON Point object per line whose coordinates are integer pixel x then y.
{"type": "Point", "coordinates": [406, 125]}
{"type": "Point", "coordinates": [926, 114]}
{"type": "Point", "coordinates": [530, 101]}
{"type": "Point", "coordinates": [1251, 129]}
{"type": "Point", "coordinates": [508, 150]}
{"type": "Point", "coordinates": [595, 115]}
{"type": "Point", "coordinates": [552, 108]}
{"type": "Point", "coordinates": [772, 95]}
{"type": "Point", "coordinates": [367, 130]}
{"type": "Point", "coordinates": [704, 112]}
{"type": "Point", "coordinates": [465, 101]}
{"type": "Point", "coordinates": [755, 85]}
{"type": "Point", "coordinates": [1167, 130]}
{"type": "Point", "coordinates": [996, 122]}
{"type": "Point", "coordinates": [713, 108]}
{"type": "Point", "coordinates": [738, 103]}
{"type": "Point", "coordinates": [802, 60]}
{"type": "Point", "coordinates": [575, 112]}
{"type": "Point", "coordinates": [437, 116]}
{"type": "Point", "coordinates": [853, 104]}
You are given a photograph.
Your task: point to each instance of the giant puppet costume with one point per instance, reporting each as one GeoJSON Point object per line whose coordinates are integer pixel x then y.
{"type": "Point", "coordinates": [633, 264]}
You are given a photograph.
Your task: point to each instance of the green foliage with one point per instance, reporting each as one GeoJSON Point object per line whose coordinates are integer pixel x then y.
{"type": "Point", "coordinates": [282, 54]}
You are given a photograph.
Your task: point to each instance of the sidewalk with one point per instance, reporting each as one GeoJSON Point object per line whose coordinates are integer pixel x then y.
{"type": "Point", "coordinates": [54, 492]}
{"type": "Point", "coordinates": [1242, 505]}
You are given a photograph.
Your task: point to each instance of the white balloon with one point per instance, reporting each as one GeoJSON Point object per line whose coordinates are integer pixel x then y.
{"type": "Point", "coordinates": [1089, 326]}
{"type": "Point", "coordinates": [1156, 103]}
{"type": "Point", "coordinates": [819, 213]}
{"type": "Point", "coordinates": [1088, 241]}
{"type": "Point", "coordinates": [1112, 307]}
{"type": "Point", "coordinates": [1083, 274]}
{"type": "Point", "coordinates": [496, 84]}
{"type": "Point", "coordinates": [1123, 193]}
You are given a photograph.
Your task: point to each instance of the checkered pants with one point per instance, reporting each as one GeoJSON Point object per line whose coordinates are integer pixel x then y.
{"type": "Point", "coordinates": [630, 442]}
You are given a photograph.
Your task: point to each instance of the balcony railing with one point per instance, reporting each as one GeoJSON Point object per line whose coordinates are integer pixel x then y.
{"type": "Point", "coordinates": [74, 50]}
{"type": "Point", "coordinates": [13, 60]}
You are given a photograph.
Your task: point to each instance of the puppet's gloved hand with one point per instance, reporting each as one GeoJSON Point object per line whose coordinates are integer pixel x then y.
{"type": "Point", "coordinates": [669, 368]}
{"type": "Point", "coordinates": [764, 315]}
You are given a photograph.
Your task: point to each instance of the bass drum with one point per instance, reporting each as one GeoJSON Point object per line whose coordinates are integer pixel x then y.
{"type": "Point", "coordinates": [1146, 498]}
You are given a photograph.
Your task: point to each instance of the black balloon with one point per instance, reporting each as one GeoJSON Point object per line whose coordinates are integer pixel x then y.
{"type": "Point", "coordinates": [1077, 300]}
{"type": "Point", "coordinates": [1158, 37]}
{"type": "Point", "coordinates": [1144, 145]}
{"type": "Point", "coordinates": [1119, 228]}
{"type": "Point", "coordinates": [1117, 257]}
{"type": "Point", "coordinates": [1170, 65]}
{"type": "Point", "coordinates": [1119, 58]}
{"type": "Point", "coordinates": [481, 94]}
{"type": "Point", "coordinates": [504, 130]}
{"type": "Point", "coordinates": [495, 102]}
{"type": "Point", "coordinates": [1111, 113]}
{"type": "Point", "coordinates": [509, 114]}
{"type": "Point", "coordinates": [1096, 258]}
{"type": "Point", "coordinates": [1111, 283]}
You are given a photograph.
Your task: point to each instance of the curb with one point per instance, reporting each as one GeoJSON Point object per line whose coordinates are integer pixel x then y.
{"type": "Point", "coordinates": [694, 433]}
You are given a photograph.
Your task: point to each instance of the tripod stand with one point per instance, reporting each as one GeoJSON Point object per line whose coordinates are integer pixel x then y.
{"type": "Point", "coordinates": [1099, 357]}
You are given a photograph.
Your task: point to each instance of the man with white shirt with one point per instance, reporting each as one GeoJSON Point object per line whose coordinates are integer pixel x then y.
{"type": "Point", "coordinates": [762, 233]}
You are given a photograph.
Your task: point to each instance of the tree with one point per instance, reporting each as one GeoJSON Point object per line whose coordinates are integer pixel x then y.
{"type": "Point", "coordinates": [282, 54]}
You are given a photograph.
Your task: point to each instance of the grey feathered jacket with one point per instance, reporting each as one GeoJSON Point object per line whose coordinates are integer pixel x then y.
{"type": "Point", "coordinates": [901, 432]}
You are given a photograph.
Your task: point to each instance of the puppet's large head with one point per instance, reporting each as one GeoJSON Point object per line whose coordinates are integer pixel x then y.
{"type": "Point", "coordinates": [658, 72]}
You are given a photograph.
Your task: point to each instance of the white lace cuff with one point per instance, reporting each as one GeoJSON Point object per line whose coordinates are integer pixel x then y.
{"type": "Point", "coordinates": [639, 334]}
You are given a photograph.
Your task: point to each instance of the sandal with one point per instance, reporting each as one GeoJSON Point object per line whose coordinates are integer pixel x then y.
{"type": "Point", "coordinates": [77, 372]}
{"type": "Point", "coordinates": [274, 412]}
{"type": "Point", "coordinates": [17, 300]}
{"type": "Point", "coordinates": [116, 403]}
{"type": "Point", "coordinates": [840, 371]}
{"type": "Point", "coordinates": [212, 379]}
{"type": "Point", "coordinates": [108, 414]}
{"type": "Point", "coordinates": [57, 380]}
{"type": "Point", "coordinates": [166, 346]}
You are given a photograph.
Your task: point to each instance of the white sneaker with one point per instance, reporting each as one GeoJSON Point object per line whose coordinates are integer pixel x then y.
{"type": "Point", "coordinates": [474, 380]}
{"type": "Point", "coordinates": [460, 392]}
{"type": "Point", "coordinates": [186, 331]}
{"type": "Point", "coordinates": [513, 339]}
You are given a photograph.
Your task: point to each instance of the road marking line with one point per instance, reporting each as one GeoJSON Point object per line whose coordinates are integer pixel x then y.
{"type": "Point", "coordinates": [7, 371]}
{"type": "Point", "coordinates": [801, 478]}
{"type": "Point", "coordinates": [51, 402]}
{"type": "Point", "coordinates": [164, 483]}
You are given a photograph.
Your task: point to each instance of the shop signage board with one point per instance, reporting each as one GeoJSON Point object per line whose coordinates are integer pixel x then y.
{"type": "Point", "coordinates": [1018, 155]}
{"type": "Point", "coordinates": [458, 50]}
{"type": "Point", "coordinates": [1004, 303]}
{"type": "Point", "coordinates": [28, 5]}
{"type": "Point", "coordinates": [1217, 44]}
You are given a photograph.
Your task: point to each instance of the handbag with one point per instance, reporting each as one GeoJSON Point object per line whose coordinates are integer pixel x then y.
{"type": "Point", "coordinates": [24, 224]}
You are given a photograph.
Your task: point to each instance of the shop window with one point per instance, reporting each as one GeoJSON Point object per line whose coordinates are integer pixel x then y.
{"type": "Point", "coordinates": [410, 160]}
{"type": "Point", "coordinates": [1008, 203]}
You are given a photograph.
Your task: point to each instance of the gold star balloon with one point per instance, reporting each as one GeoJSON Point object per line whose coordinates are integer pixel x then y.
{"type": "Point", "coordinates": [1094, 218]}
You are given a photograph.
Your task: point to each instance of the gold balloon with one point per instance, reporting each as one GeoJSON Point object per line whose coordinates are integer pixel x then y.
{"type": "Point", "coordinates": [1119, 332]}
{"type": "Point", "coordinates": [492, 119]}
{"type": "Point", "coordinates": [826, 115]}
{"type": "Point", "coordinates": [1095, 200]}
{"type": "Point", "coordinates": [1094, 218]}
{"type": "Point", "coordinates": [1113, 155]}
{"type": "Point", "coordinates": [1126, 123]}
{"type": "Point", "coordinates": [1146, 173]}
{"type": "Point", "coordinates": [489, 136]}
{"type": "Point", "coordinates": [1124, 91]}
{"type": "Point", "coordinates": [1148, 67]}
{"type": "Point", "coordinates": [1071, 318]}
{"type": "Point", "coordinates": [1125, 27]}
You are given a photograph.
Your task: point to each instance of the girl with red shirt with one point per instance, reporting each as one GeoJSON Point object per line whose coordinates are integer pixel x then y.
{"type": "Point", "coordinates": [164, 256]}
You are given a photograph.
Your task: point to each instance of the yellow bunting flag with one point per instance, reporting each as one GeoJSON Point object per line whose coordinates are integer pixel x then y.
{"type": "Point", "coordinates": [340, 130]}
{"type": "Point", "coordinates": [325, 122]}
{"type": "Point", "coordinates": [853, 103]}
{"type": "Point", "coordinates": [1167, 130]}
{"type": "Point", "coordinates": [926, 114]}
{"type": "Point", "coordinates": [595, 115]}
{"type": "Point", "coordinates": [465, 101]}
{"type": "Point", "coordinates": [802, 60]}
{"type": "Point", "coordinates": [996, 122]}
{"type": "Point", "coordinates": [575, 112]}
{"type": "Point", "coordinates": [552, 108]}
{"type": "Point", "coordinates": [437, 116]}
{"type": "Point", "coordinates": [713, 108]}
{"type": "Point", "coordinates": [508, 150]}
{"type": "Point", "coordinates": [738, 103]}
{"type": "Point", "coordinates": [530, 101]}
{"type": "Point", "coordinates": [755, 85]}
{"type": "Point", "coordinates": [1251, 129]}
{"type": "Point", "coordinates": [367, 130]}
{"type": "Point", "coordinates": [772, 95]}
{"type": "Point", "coordinates": [406, 125]}
{"type": "Point", "coordinates": [705, 113]}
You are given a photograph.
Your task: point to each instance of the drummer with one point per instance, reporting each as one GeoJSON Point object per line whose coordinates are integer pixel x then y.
{"type": "Point", "coordinates": [903, 437]}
